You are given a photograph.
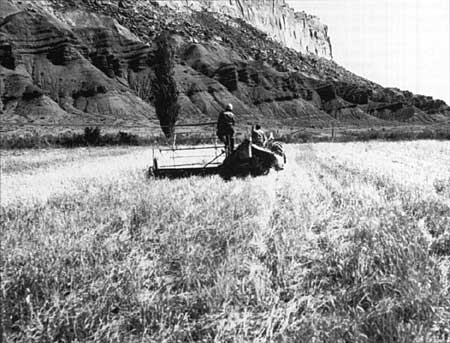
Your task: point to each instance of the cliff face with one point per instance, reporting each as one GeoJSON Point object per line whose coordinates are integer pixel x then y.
{"type": "Point", "coordinates": [92, 61]}
{"type": "Point", "coordinates": [299, 31]}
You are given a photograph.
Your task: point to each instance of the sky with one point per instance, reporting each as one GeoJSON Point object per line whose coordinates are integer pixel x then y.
{"type": "Point", "coordinates": [396, 43]}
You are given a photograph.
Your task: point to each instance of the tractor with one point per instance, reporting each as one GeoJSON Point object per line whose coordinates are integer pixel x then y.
{"type": "Point", "coordinates": [247, 159]}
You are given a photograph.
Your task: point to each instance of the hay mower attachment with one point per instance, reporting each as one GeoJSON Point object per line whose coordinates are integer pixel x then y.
{"type": "Point", "coordinates": [181, 162]}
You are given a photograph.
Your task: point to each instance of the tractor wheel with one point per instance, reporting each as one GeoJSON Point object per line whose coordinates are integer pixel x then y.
{"type": "Point", "coordinates": [258, 168]}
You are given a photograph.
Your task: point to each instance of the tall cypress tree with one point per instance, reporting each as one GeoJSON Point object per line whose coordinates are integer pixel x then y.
{"type": "Point", "coordinates": [164, 87]}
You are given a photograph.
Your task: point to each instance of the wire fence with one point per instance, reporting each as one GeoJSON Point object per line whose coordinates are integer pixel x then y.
{"type": "Point", "coordinates": [17, 135]}
{"type": "Point", "coordinates": [151, 131]}
{"type": "Point", "coordinates": [28, 135]}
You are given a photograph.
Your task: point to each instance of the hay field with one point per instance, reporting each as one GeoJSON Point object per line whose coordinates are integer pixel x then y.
{"type": "Point", "coordinates": [351, 243]}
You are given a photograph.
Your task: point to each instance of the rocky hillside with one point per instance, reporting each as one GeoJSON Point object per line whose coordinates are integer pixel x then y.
{"type": "Point", "coordinates": [299, 31]}
{"type": "Point", "coordinates": [91, 61]}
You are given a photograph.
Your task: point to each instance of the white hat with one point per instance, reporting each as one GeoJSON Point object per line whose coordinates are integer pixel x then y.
{"type": "Point", "coordinates": [229, 107]}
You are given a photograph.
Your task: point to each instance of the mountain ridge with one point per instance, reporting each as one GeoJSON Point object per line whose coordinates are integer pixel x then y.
{"type": "Point", "coordinates": [90, 61]}
{"type": "Point", "coordinates": [297, 30]}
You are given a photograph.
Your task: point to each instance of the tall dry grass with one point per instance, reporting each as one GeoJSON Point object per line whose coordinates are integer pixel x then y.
{"type": "Point", "coordinates": [337, 248]}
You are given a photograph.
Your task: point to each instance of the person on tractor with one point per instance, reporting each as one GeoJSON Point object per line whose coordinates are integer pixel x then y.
{"type": "Point", "coordinates": [258, 136]}
{"type": "Point", "coordinates": [225, 128]}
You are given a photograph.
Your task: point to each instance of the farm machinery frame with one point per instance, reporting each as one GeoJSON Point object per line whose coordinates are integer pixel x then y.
{"type": "Point", "coordinates": [176, 161]}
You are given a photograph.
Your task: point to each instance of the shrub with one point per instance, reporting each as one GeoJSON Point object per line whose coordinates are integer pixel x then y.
{"type": "Point", "coordinates": [91, 136]}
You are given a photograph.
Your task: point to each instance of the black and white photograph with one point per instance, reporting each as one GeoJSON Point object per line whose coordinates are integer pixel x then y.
{"type": "Point", "coordinates": [225, 171]}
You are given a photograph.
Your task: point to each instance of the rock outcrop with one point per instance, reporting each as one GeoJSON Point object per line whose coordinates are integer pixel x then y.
{"type": "Point", "coordinates": [296, 30]}
{"type": "Point", "coordinates": [91, 61]}
{"type": "Point", "coordinates": [79, 72]}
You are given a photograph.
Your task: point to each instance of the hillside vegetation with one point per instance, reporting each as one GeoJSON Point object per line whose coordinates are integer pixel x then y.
{"type": "Point", "coordinates": [350, 243]}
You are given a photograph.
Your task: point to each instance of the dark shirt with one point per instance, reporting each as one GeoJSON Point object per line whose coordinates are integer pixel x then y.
{"type": "Point", "coordinates": [225, 123]}
{"type": "Point", "coordinates": [258, 137]}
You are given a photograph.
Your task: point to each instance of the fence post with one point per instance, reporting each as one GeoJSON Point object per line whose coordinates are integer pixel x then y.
{"type": "Point", "coordinates": [250, 144]}
{"type": "Point", "coordinates": [332, 131]}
